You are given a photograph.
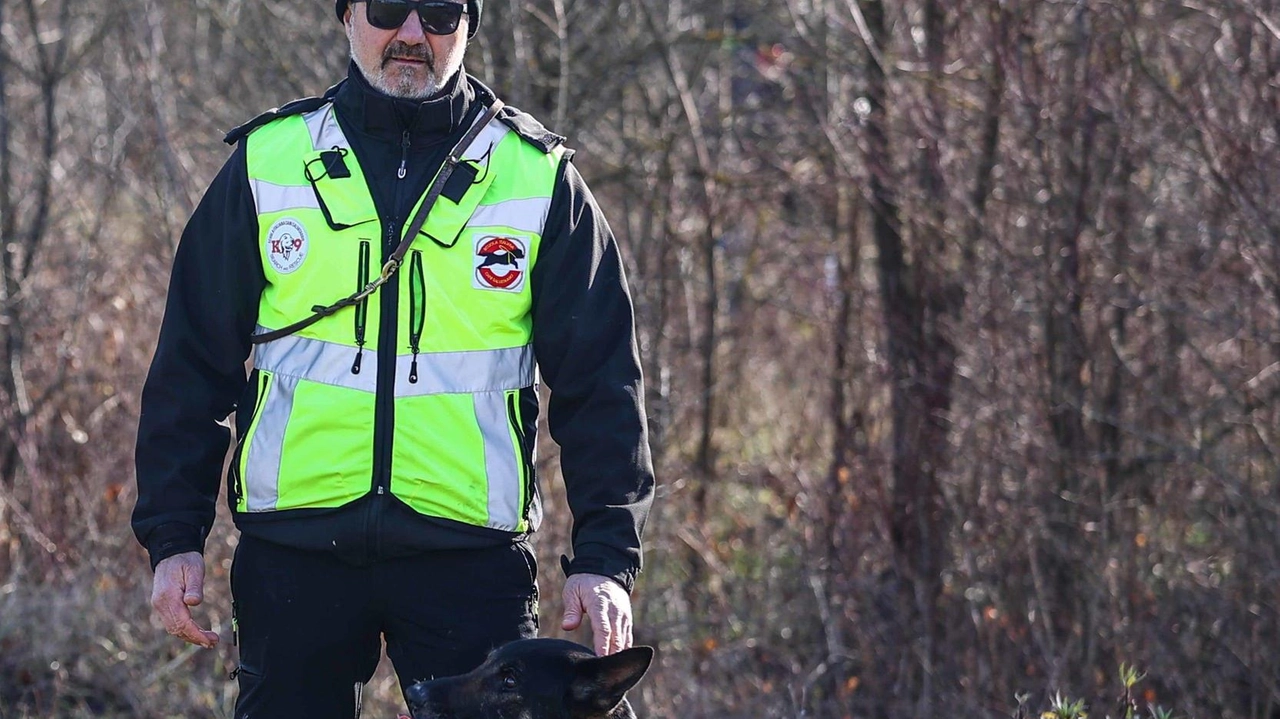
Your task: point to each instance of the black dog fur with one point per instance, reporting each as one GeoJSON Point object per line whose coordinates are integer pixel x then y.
{"type": "Point", "coordinates": [536, 679]}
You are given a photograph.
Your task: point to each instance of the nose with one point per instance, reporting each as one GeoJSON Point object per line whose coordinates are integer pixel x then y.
{"type": "Point", "coordinates": [411, 31]}
{"type": "Point", "coordinates": [416, 696]}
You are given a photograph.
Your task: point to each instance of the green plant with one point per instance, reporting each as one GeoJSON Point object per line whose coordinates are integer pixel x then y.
{"type": "Point", "coordinates": [1063, 708]}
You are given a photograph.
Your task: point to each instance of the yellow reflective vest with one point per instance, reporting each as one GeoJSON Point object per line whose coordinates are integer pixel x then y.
{"type": "Point", "coordinates": [463, 331]}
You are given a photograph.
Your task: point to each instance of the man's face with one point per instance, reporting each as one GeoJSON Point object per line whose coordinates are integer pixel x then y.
{"type": "Point", "coordinates": [406, 62]}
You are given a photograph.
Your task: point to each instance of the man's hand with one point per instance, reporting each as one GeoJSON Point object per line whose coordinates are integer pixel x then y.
{"type": "Point", "coordinates": [606, 604]}
{"type": "Point", "coordinates": [179, 584]}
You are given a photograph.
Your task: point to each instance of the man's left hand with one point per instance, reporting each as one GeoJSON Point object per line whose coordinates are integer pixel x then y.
{"type": "Point", "coordinates": [606, 604]}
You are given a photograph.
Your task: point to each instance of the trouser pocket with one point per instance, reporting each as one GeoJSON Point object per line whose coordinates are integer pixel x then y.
{"type": "Point", "coordinates": [308, 632]}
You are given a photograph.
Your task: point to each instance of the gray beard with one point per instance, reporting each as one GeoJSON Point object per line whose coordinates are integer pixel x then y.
{"type": "Point", "coordinates": [389, 83]}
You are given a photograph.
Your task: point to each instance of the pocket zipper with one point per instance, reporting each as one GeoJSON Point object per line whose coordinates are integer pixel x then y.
{"type": "Point", "coordinates": [523, 449]}
{"type": "Point", "coordinates": [241, 442]}
{"type": "Point", "coordinates": [362, 309]}
{"type": "Point", "coordinates": [417, 310]}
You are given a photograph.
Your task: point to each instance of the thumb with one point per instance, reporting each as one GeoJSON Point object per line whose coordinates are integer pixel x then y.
{"type": "Point", "coordinates": [572, 619]}
{"type": "Point", "coordinates": [572, 611]}
{"type": "Point", "coordinates": [194, 587]}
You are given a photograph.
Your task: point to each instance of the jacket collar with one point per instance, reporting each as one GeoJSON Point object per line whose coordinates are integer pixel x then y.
{"type": "Point", "coordinates": [382, 116]}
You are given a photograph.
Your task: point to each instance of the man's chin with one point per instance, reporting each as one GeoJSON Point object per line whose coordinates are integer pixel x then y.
{"type": "Point", "coordinates": [408, 87]}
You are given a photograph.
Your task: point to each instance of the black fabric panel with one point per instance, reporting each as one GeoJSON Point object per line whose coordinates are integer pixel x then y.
{"type": "Point", "coordinates": [584, 340]}
{"type": "Point", "coordinates": [197, 373]}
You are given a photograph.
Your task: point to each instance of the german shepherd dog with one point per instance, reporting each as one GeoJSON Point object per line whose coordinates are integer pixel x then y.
{"type": "Point", "coordinates": [536, 679]}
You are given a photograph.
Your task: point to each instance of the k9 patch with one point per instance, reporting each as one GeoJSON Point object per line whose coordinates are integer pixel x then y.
{"type": "Point", "coordinates": [286, 245]}
{"type": "Point", "coordinates": [501, 263]}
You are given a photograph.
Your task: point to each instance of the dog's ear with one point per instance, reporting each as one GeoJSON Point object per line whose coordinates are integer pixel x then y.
{"type": "Point", "coordinates": [599, 683]}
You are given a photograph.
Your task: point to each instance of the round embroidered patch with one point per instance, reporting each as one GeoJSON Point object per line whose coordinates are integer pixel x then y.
{"type": "Point", "coordinates": [286, 246]}
{"type": "Point", "coordinates": [500, 263]}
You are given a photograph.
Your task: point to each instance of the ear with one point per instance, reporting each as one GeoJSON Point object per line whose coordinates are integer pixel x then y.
{"type": "Point", "coordinates": [600, 682]}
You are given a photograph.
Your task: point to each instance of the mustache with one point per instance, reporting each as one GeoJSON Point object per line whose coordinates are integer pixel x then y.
{"type": "Point", "coordinates": [405, 50]}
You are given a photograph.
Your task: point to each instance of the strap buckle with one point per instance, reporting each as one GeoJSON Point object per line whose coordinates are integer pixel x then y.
{"type": "Point", "coordinates": [390, 268]}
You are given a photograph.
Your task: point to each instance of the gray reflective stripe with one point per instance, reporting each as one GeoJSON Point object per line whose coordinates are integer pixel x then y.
{"type": "Point", "coordinates": [463, 372]}
{"type": "Point", "coordinates": [438, 372]}
{"type": "Point", "coordinates": [527, 215]}
{"type": "Point", "coordinates": [488, 138]}
{"type": "Point", "coordinates": [317, 361]}
{"type": "Point", "coordinates": [499, 460]}
{"type": "Point", "coordinates": [262, 467]}
{"type": "Point", "coordinates": [270, 197]}
{"type": "Point", "coordinates": [324, 129]}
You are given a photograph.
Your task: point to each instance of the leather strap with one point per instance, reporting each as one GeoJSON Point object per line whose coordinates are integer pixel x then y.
{"type": "Point", "coordinates": [393, 263]}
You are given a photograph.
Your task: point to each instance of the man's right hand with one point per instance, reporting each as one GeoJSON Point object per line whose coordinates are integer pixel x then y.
{"type": "Point", "coordinates": [179, 584]}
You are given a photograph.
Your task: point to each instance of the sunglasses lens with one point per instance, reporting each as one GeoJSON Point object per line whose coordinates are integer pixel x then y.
{"type": "Point", "coordinates": [438, 18]}
{"type": "Point", "coordinates": [388, 14]}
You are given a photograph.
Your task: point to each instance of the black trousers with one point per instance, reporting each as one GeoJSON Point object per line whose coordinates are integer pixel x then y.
{"type": "Point", "coordinates": [309, 625]}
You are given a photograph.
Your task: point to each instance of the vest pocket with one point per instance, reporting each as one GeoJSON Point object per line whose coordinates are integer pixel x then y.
{"type": "Point", "coordinates": [524, 450]}
{"type": "Point", "coordinates": [240, 497]}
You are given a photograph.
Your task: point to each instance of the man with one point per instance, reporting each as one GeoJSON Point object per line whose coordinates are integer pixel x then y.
{"type": "Point", "coordinates": [398, 252]}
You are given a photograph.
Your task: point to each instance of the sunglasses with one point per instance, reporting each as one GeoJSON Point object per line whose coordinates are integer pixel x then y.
{"type": "Point", "coordinates": [438, 17]}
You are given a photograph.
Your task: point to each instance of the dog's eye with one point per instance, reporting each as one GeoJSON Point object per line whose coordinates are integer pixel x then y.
{"type": "Point", "coordinates": [509, 679]}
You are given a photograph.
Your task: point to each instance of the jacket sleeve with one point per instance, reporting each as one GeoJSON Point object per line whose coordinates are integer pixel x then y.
{"type": "Point", "coordinates": [198, 371]}
{"type": "Point", "coordinates": [584, 341]}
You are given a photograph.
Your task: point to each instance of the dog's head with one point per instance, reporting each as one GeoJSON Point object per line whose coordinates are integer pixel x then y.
{"type": "Point", "coordinates": [536, 679]}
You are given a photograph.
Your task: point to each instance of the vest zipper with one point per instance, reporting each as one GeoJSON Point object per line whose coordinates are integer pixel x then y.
{"type": "Point", "coordinates": [384, 394]}
{"type": "Point", "coordinates": [384, 416]}
{"type": "Point", "coordinates": [362, 309]}
{"type": "Point", "coordinates": [404, 155]}
{"type": "Point", "coordinates": [417, 310]}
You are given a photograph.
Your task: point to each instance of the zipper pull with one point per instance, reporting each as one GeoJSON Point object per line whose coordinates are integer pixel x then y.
{"type": "Point", "coordinates": [404, 154]}
{"type": "Point", "coordinates": [355, 367]}
{"type": "Point", "coordinates": [413, 369]}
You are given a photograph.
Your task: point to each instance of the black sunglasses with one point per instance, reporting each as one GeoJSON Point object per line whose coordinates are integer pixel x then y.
{"type": "Point", "coordinates": [438, 17]}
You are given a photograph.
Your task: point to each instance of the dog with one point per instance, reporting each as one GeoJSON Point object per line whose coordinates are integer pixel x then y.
{"type": "Point", "coordinates": [536, 679]}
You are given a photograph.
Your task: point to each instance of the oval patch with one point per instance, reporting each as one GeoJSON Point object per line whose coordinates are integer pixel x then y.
{"type": "Point", "coordinates": [286, 246]}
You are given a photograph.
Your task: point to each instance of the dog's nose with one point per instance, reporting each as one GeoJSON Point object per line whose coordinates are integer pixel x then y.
{"type": "Point", "coordinates": [416, 696]}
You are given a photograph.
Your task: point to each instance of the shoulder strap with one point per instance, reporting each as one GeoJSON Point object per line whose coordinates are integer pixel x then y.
{"type": "Point", "coordinates": [297, 107]}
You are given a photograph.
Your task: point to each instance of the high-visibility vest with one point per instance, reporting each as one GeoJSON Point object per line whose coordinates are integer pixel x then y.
{"type": "Point", "coordinates": [459, 448]}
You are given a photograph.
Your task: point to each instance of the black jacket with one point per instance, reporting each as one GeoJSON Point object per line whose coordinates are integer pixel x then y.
{"type": "Point", "coordinates": [583, 339]}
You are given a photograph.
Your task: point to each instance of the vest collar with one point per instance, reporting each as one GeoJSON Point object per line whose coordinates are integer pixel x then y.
{"type": "Point", "coordinates": [387, 117]}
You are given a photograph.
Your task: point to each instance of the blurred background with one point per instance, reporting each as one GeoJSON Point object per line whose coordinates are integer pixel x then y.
{"type": "Point", "coordinates": [960, 322]}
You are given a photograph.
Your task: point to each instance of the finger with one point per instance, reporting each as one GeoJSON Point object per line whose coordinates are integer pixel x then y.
{"type": "Point", "coordinates": [601, 626]}
{"type": "Point", "coordinates": [603, 639]}
{"type": "Point", "coordinates": [572, 611]}
{"type": "Point", "coordinates": [614, 614]}
{"type": "Point", "coordinates": [628, 639]}
{"type": "Point", "coordinates": [177, 621]}
{"type": "Point", "coordinates": [191, 633]}
{"type": "Point", "coordinates": [621, 632]}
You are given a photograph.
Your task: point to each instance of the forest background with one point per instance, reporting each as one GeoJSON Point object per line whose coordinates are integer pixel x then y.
{"type": "Point", "coordinates": [960, 321]}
